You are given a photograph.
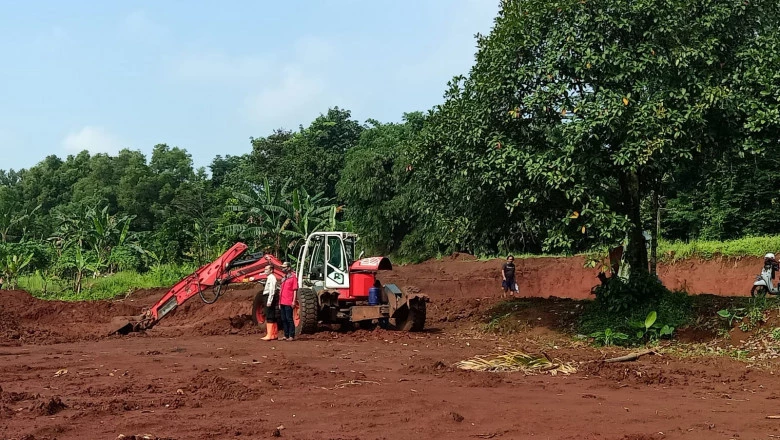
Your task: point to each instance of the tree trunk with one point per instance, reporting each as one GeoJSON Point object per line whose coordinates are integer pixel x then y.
{"type": "Point", "coordinates": [636, 252]}
{"type": "Point", "coordinates": [656, 230]}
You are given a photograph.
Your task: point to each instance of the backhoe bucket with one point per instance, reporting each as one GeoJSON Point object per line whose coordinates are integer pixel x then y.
{"type": "Point", "coordinates": [126, 324]}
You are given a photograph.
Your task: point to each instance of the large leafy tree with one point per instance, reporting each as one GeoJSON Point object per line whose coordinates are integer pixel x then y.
{"type": "Point", "coordinates": [313, 156]}
{"type": "Point", "coordinates": [375, 183]}
{"type": "Point", "coordinates": [598, 100]}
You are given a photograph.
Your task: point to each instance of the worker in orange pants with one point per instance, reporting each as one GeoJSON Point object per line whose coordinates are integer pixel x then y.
{"type": "Point", "coordinates": [271, 315]}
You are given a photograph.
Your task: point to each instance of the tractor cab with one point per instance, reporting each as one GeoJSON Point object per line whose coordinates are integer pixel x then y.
{"type": "Point", "coordinates": [337, 287]}
{"type": "Point", "coordinates": [324, 261]}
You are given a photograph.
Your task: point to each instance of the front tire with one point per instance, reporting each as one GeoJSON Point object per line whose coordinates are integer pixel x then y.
{"type": "Point", "coordinates": [759, 292]}
{"type": "Point", "coordinates": [305, 313]}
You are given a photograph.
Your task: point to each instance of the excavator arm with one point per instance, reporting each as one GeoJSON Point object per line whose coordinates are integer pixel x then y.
{"type": "Point", "coordinates": [226, 269]}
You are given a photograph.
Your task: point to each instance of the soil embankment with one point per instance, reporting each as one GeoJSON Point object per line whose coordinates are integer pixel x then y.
{"type": "Point", "coordinates": [464, 276]}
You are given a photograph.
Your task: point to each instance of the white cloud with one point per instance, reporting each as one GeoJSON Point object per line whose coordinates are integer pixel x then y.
{"type": "Point", "coordinates": [218, 67]}
{"type": "Point", "coordinates": [281, 89]}
{"type": "Point", "coordinates": [138, 25]}
{"type": "Point", "coordinates": [92, 139]}
{"type": "Point", "coordinates": [313, 51]}
{"type": "Point", "coordinates": [293, 97]}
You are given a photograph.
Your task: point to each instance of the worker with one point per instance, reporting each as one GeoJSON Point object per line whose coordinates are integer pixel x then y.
{"type": "Point", "coordinates": [271, 326]}
{"type": "Point", "coordinates": [508, 276]}
{"type": "Point", "coordinates": [287, 298]}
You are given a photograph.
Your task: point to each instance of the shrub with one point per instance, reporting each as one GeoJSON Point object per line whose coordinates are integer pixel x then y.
{"type": "Point", "coordinates": [621, 296]}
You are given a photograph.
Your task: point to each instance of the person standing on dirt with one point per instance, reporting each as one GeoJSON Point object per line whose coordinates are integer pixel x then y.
{"type": "Point", "coordinates": [287, 297]}
{"type": "Point", "coordinates": [508, 276]}
{"type": "Point", "coordinates": [271, 326]}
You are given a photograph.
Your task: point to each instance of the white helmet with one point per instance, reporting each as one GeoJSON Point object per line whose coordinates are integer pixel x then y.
{"type": "Point", "coordinates": [770, 255]}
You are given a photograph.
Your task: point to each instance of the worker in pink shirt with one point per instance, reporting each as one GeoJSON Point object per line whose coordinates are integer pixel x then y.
{"type": "Point", "coordinates": [287, 298]}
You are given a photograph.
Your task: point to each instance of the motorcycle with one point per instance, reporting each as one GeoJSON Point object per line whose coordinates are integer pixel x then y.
{"type": "Point", "coordinates": [763, 284]}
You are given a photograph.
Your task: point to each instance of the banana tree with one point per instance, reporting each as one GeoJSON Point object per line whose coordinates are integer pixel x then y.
{"type": "Point", "coordinates": [13, 266]}
{"type": "Point", "coordinates": [309, 214]}
{"type": "Point", "coordinates": [267, 213]}
{"type": "Point", "coordinates": [81, 264]}
{"type": "Point", "coordinates": [106, 231]}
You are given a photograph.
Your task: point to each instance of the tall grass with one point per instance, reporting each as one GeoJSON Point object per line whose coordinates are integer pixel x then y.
{"type": "Point", "coordinates": [106, 287]}
{"type": "Point", "coordinates": [669, 251]}
{"type": "Point", "coordinates": [706, 249]}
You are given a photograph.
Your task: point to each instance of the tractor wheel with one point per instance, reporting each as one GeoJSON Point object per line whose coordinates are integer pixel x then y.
{"type": "Point", "coordinates": [759, 292]}
{"type": "Point", "coordinates": [305, 313]}
{"type": "Point", "coordinates": [413, 319]}
{"type": "Point", "coordinates": [258, 308]}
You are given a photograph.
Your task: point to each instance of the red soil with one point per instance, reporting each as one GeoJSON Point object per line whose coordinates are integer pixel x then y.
{"type": "Point", "coordinates": [568, 278]}
{"type": "Point", "coordinates": [205, 373]}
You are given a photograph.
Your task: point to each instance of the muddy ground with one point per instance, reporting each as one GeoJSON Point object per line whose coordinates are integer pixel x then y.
{"type": "Point", "coordinates": [204, 373]}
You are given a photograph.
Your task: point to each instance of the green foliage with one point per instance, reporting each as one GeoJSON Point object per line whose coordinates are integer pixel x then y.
{"type": "Point", "coordinates": [279, 219]}
{"type": "Point", "coordinates": [731, 315]}
{"type": "Point", "coordinates": [619, 295]}
{"type": "Point", "coordinates": [573, 116]}
{"type": "Point", "coordinates": [651, 330]}
{"type": "Point", "coordinates": [750, 314]}
{"type": "Point", "coordinates": [312, 157]}
{"type": "Point", "coordinates": [707, 249]}
{"type": "Point", "coordinates": [13, 266]}
{"type": "Point", "coordinates": [571, 109]}
{"type": "Point", "coordinates": [375, 184]}
{"type": "Point", "coordinates": [106, 287]}
{"type": "Point", "coordinates": [608, 337]}
{"type": "Point", "coordinates": [671, 310]}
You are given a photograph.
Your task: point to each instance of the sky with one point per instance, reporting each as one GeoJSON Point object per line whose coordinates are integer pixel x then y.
{"type": "Point", "coordinates": [207, 76]}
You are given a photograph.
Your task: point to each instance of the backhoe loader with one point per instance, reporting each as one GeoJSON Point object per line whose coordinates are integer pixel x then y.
{"type": "Point", "coordinates": [335, 287]}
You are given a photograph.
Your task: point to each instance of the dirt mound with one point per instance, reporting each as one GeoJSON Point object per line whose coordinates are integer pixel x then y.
{"type": "Point", "coordinates": [51, 407]}
{"type": "Point", "coordinates": [10, 330]}
{"type": "Point", "coordinates": [212, 386]}
{"type": "Point", "coordinates": [28, 320]}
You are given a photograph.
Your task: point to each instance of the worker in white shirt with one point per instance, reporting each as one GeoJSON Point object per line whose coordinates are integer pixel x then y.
{"type": "Point", "coordinates": [271, 327]}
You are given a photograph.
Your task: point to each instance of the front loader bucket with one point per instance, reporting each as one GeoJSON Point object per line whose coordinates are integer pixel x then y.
{"type": "Point", "coordinates": [126, 324]}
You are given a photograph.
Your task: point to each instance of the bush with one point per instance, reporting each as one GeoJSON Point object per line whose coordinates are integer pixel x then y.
{"type": "Point", "coordinates": [41, 254]}
{"type": "Point", "coordinates": [673, 309]}
{"type": "Point", "coordinates": [620, 296]}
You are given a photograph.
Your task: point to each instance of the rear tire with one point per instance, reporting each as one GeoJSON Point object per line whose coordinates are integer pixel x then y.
{"type": "Point", "coordinates": [306, 322]}
{"type": "Point", "coordinates": [414, 319]}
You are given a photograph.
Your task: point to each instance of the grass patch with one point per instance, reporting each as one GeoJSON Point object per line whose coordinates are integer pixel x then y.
{"type": "Point", "coordinates": [105, 287]}
{"type": "Point", "coordinates": [705, 249]}
{"type": "Point", "coordinates": [668, 251]}
{"type": "Point", "coordinates": [674, 309]}
{"type": "Point", "coordinates": [517, 315]}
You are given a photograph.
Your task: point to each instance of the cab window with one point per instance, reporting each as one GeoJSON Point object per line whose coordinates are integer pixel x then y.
{"type": "Point", "coordinates": [336, 257]}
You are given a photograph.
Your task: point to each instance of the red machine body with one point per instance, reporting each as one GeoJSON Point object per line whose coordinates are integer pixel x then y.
{"type": "Point", "coordinates": [226, 269]}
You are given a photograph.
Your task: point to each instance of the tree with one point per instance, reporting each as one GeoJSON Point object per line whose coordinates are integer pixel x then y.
{"type": "Point", "coordinates": [597, 100]}
{"type": "Point", "coordinates": [278, 218]}
{"type": "Point", "coordinates": [312, 157]}
{"type": "Point", "coordinates": [375, 183]}
{"type": "Point", "coordinates": [13, 213]}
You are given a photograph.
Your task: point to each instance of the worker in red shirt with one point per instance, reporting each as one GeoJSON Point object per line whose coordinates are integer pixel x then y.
{"type": "Point", "coordinates": [287, 298]}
